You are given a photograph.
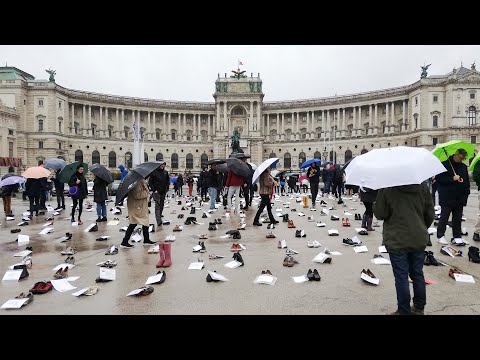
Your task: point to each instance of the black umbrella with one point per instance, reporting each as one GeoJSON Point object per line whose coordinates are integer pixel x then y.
{"type": "Point", "coordinates": [222, 168]}
{"type": "Point", "coordinates": [238, 167]}
{"type": "Point", "coordinates": [216, 161]}
{"type": "Point", "coordinates": [147, 168]}
{"type": "Point", "coordinates": [102, 172]}
{"type": "Point", "coordinates": [127, 184]}
{"type": "Point", "coordinates": [242, 156]}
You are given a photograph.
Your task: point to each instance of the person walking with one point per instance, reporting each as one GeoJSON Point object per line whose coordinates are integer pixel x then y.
{"type": "Point", "coordinates": [159, 182]}
{"type": "Point", "coordinates": [266, 184]}
{"type": "Point", "coordinates": [78, 179]}
{"type": "Point", "coordinates": [59, 188]}
{"type": "Point", "coordinates": [214, 182]}
{"type": "Point", "coordinates": [453, 195]}
{"type": "Point", "coordinates": [203, 184]}
{"type": "Point", "coordinates": [7, 191]}
{"type": "Point", "coordinates": [99, 197]}
{"type": "Point", "coordinates": [44, 191]}
{"type": "Point", "coordinates": [314, 177]}
{"type": "Point", "coordinates": [330, 176]}
{"type": "Point", "coordinates": [368, 197]}
{"type": "Point", "coordinates": [282, 184]}
{"type": "Point", "coordinates": [180, 183]}
{"type": "Point", "coordinates": [291, 184]}
{"type": "Point", "coordinates": [33, 188]}
{"type": "Point", "coordinates": [338, 179]}
{"type": "Point", "coordinates": [190, 182]}
{"type": "Point", "coordinates": [233, 184]}
{"type": "Point", "coordinates": [407, 212]}
{"type": "Point", "coordinates": [137, 205]}
{"type": "Point", "coordinates": [247, 184]}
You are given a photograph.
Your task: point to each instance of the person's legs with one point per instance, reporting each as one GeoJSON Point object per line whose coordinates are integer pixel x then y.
{"type": "Point", "coordinates": [146, 234]}
{"type": "Point", "coordinates": [62, 197]}
{"type": "Point", "coordinates": [237, 198]}
{"type": "Point", "coordinates": [99, 210]}
{"type": "Point", "coordinates": [314, 188]}
{"type": "Point", "coordinates": [263, 203]}
{"type": "Point", "coordinates": [104, 210]}
{"type": "Point", "coordinates": [269, 209]}
{"type": "Point", "coordinates": [213, 196]}
{"type": "Point", "coordinates": [80, 209]}
{"type": "Point", "coordinates": [190, 189]}
{"type": "Point", "coordinates": [400, 267]}
{"type": "Point", "coordinates": [231, 191]}
{"type": "Point", "coordinates": [246, 195]}
{"type": "Point", "coordinates": [457, 221]}
{"type": "Point", "coordinates": [42, 200]}
{"type": "Point", "coordinates": [75, 203]}
{"type": "Point", "coordinates": [442, 223]}
{"type": "Point", "coordinates": [129, 232]}
{"type": "Point", "coordinates": [158, 208]}
{"type": "Point", "coordinates": [415, 269]}
{"type": "Point", "coordinates": [7, 201]}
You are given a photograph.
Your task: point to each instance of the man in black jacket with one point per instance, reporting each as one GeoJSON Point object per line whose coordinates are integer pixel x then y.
{"type": "Point", "coordinates": [203, 183]}
{"type": "Point", "coordinates": [247, 182]}
{"type": "Point", "coordinates": [159, 182]}
{"type": "Point", "coordinates": [313, 175]}
{"type": "Point", "coordinates": [453, 195]}
{"type": "Point", "coordinates": [214, 182]}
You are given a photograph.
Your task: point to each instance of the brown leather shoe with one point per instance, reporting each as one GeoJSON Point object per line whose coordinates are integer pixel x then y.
{"type": "Point", "coordinates": [369, 273]}
{"type": "Point", "coordinates": [453, 271]}
{"type": "Point", "coordinates": [291, 225]}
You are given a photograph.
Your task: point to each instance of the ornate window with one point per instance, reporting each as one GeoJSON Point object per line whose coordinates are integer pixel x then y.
{"type": "Point", "coordinates": [302, 158]}
{"type": "Point", "coordinates": [472, 115]}
{"type": "Point", "coordinates": [112, 159]}
{"type": "Point", "coordinates": [317, 155]}
{"type": "Point", "coordinates": [435, 120]}
{"type": "Point", "coordinates": [128, 160]}
{"type": "Point", "coordinates": [174, 135]}
{"type": "Point", "coordinates": [145, 157]}
{"type": "Point", "coordinates": [159, 157]}
{"type": "Point", "coordinates": [203, 160]}
{"type": "Point", "coordinates": [348, 155]}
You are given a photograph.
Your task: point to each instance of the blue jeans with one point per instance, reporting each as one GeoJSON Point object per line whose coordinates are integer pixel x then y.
{"type": "Point", "coordinates": [101, 209]}
{"type": "Point", "coordinates": [403, 265]}
{"type": "Point", "coordinates": [213, 196]}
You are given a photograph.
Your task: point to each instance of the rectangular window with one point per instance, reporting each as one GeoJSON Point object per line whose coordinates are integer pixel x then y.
{"type": "Point", "coordinates": [24, 102]}
{"type": "Point", "coordinates": [435, 141]}
{"type": "Point", "coordinates": [59, 104]}
{"type": "Point", "coordinates": [40, 102]}
{"type": "Point", "coordinates": [10, 132]}
{"type": "Point", "coordinates": [435, 121]}
{"type": "Point", "coordinates": [40, 144]}
{"type": "Point", "coordinates": [10, 149]}
{"type": "Point", "coordinates": [473, 139]}
{"type": "Point", "coordinates": [60, 126]}
{"type": "Point", "coordinates": [416, 100]}
{"type": "Point", "coordinates": [435, 98]}
{"type": "Point", "coordinates": [472, 96]}
{"type": "Point", "coordinates": [60, 146]}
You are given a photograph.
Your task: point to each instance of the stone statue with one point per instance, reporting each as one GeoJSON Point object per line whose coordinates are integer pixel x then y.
{"type": "Point", "coordinates": [424, 71]}
{"type": "Point", "coordinates": [225, 87]}
{"type": "Point", "coordinates": [238, 74]}
{"type": "Point", "coordinates": [235, 142]}
{"type": "Point", "coordinates": [252, 86]}
{"type": "Point", "coordinates": [217, 85]}
{"type": "Point", "coordinates": [259, 87]}
{"type": "Point", "coordinates": [52, 74]}
{"type": "Point", "coordinates": [473, 66]}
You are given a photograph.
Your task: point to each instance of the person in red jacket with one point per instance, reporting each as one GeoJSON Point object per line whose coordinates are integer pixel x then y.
{"type": "Point", "coordinates": [234, 182]}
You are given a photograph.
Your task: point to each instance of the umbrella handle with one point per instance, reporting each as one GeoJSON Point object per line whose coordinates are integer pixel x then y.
{"type": "Point", "coordinates": [460, 180]}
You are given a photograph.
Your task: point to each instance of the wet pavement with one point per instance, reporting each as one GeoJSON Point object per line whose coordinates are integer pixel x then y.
{"type": "Point", "coordinates": [340, 291]}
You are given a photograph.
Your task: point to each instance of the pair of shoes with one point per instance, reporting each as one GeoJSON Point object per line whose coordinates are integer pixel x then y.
{"type": "Point", "coordinates": [313, 275]}
{"type": "Point", "coordinates": [69, 260]}
{"type": "Point", "coordinates": [212, 226]}
{"type": "Point", "coordinates": [41, 287]}
{"type": "Point", "coordinates": [236, 247]}
{"type": "Point", "coordinates": [178, 228]}
{"type": "Point", "coordinates": [114, 250]}
{"type": "Point", "coordinates": [430, 259]}
{"type": "Point", "coordinates": [70, 251]}
{"type": "Point", "coordinates": [291, 225]}
{"type": "Point", "coordinates": [203, 237]}
{"type": "Point", "coordinates": [290, 252]}
{"type": "Point", "coordinates": [146, 290]}
{"type": "Point", "coordinates": [415, 310]}
{"type": "Point", "coordinates": [334, 218]}
{"type": "Point", "coordinates": [202, 247]}
{"type": "Point", "coordinates": [358, 217]}
{"type": "Point", "coordinates": [345, 222]}
{"type": "Point", "coordinates": [368, 273]}
{"type": "Point", "coordinates": [165, 254]}
{"type": "Point", "coordinates": [300, 233]}
{"type": "Point", "coordinates": [180, 216]}
{"type": "Point", "coordinates": [108, 264]}
{"type": "Point", "coordinates": [61, 273]}
{"type": "Point", "coordinates": [313, 244]}
{"type": "Point", "coordinates": [289, 261]}
{"type": "Point", "coordinates": [28, 296]}
{"type": "Point", "coordinates": [218, 221]}
{"type": "Point", "coordinates": [209, 278]}
{"type": "Point", "coordinates": [270, 235]}
{"type": "Point", "coordinates": [350, 242]}
{"type": "Point", "coordinates": [285, 217]}
{"type": "Point", "coordinates": [238, 257]}
{"type": "Point", "coordinates": [453, 271]}
{"type": "Point", "coordinates": [213, 257]}
{"type": "Point", "coordinates": [266, 272]}
{"type": "Point", "coordinates": [458, 241]}
{"type": "Point", "coordinates": [256, 223]}
{"type": "Point", "coordinates": [148, 242]}
{"type": "Point", "coordinates": [476, 236]}
{"type": "Point", "coordinates": [474, 254]}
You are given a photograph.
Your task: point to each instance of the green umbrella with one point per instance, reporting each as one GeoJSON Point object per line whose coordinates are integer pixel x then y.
{"type": "Point", "coordinates": [67, 172]}
{"type": "Point", "coordinates": [474, 162]}
{"type": "Point", "coordinates": [445, 150]}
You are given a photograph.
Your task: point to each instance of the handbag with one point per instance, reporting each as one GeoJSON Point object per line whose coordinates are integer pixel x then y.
{"type": "Point", "coordinates": [74, 191]}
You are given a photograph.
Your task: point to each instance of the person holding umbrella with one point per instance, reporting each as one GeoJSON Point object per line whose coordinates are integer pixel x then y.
{"type": "Point", "coordinates": [265, 189]}
{"type": "Point", "coordinates": [7, 191]}
{"type": "Point", "coordinates": [179, 184]}
{"type": "Point", "coordinates": [159, 182]}
{"type": "Point", "coordinates": [59, 186]}
{"type": "Point", "coordinates": [33, 186]}
{"type": "Point", "coordinates": [313, 174]}
{"type": "Point", "coordinates": [214, 182]}
{"type": "Point", "coordinates": [78, 180]}
{"type": "Point", "coordinates": [237, 171]}
{"type": "Point", "coordinates": [99, 197]}
{"type": "Point", "coordinates": [247, 180]}
{"type": "Point", "coordinates": [203, 183]}
{"type": "Point", "coordinates": [453, 191]}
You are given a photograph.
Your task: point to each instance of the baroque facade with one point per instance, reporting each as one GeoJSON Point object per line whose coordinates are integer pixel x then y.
{"type": "Point", "coordinates": [42, 119]}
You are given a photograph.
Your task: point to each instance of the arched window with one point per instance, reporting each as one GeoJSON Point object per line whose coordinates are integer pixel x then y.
{"type": "Point", "coordinates": [157, 134]}
{"type": "Point", "coordinates": [145, 157]}
{"type": "Point", "coordinates": [174, 161]}
{"type": "Point", "coordinates": [472, 115]}
{"type": "Point", "coordinates": [95, 157]}
{"type": "Point", "coordinates": [301, 158]}
{"type": "Point", "coordinates": [273, 155]}
{"type": "Point", "coordinates": [204, 159]}
{"type": "Point", "coordinates": [415, 121]}
{"type": "Point", "coordinates": [435, 121]}
{"type": "Point", "coordinates": [189, 160]}
{"type": "Point", "coordinates": [332, 153]}
{"type": "Point", "coordinates": [287, 161]}
{"type": "Point", "coordinates": [79, 155]}
{"type": "Point", "coordinates": [112, 159]}
{"type": "Point", "coordinates": [317, 155]}
{"type": "Point", "coordinates": [173, 135]}
{"type": "Point", "coordinates": [364, 151]}
{"type": "Point", "coordinates": [159, 157]}
{"type": "Point", "coordinates": [128, 160]}
{"type": "Point", "coordinates": [348, 155]}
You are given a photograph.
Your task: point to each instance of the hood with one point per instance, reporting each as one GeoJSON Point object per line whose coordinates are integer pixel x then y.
{"type": "Point", "coordinates": [409, 188]}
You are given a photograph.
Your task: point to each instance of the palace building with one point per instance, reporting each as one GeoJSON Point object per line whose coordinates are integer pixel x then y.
{"type": "Point", "coordinates": [40, 119]}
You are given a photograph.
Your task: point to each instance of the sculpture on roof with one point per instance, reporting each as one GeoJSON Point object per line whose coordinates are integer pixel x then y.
{"type": "Point", "coordinates": [473, 66]}
{"type": "Point", "coordinates": [52, 74]}
{"type": "Point", "coordinates": [424, 71]}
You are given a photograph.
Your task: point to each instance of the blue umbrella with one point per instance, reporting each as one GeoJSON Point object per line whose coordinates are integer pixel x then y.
{"type": "Point", "coordinates": [12, 180]}
{"type": "Point", "coordinates": [57, 164]}
{"type": "Point", "coordinates": [310, 162]}
{"type": "Point", "coordinates": [173, 180]}
{"type": "Point", "coordinates": [327, 163]}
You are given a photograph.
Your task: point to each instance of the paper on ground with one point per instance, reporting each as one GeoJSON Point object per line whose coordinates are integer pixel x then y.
{"type": "Point", "coordinates": [360, 229]}
{"type": "Point", "coordinates": [23, 253]}
{"type": "Point", "coordinates": [265, 279]}
{"type": "Point", "coordinates": [198, 247]}
{"type": "Point", "coordinates": [23, 239]}
{"type": "Point", "coordinates": [356, 240]}
{"type": "Point", "coordinates": [380, 261]}
{"type": "Point", "coordinates": [332, 232]}
{"type": "Point", "coordinates": [107, 274]}
{"type": "Point", "coordinates": [89, 227]}
{"type": "Point", "coordinates": [73, 278]}
{"type": "Point", "coordinates": [300, 279]}
{"type": "Point", "coordinates": [223, 237]}
{"type": "Point", "coordinates": [45, 231]}
{"type": "Point", "coordinates": [135, 292]}
{"type": "Point", "coordinates": [320, 258]}
{"type": "Point", "coordinates": [13, 275]}
{"type": "Point", "coordinates": [113, 222]}
{"type": "Point", "coordinates": [80, 292]}
{"type": "Point", "coordinates": [154, 279]}
{"type": "Point", "coordinates": [367, 278]}
{"type": "Point", "coordinates": [216, 276]}
{"type": "Point", "coordinates": [382, 249]}
{"type": "Point", "coordinates": [233, 264]}
{"type": "Point", "coordinates": [14, 304]}
{"type": "Point", "coordinates": [62, 285]}
{"type": "Point", "coordinates": [75, 223]}
{"type": "Point", "coordinates": [360, 249]}
{"type": "Point", "coordinates": [136, 237]}
{"type": "Point", "coordinates": [196, 266]}
{"type": "Point", "coordinates": [464, 278]}
{"type": "Point", "coordinates": [63, 266]}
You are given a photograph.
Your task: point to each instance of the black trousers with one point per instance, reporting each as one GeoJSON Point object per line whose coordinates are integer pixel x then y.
{"type": "Point", "coordinates": [60, 198]}
{"type": "Point", "coordinates": [368, 209]}
{"type": "Point", "coordinates": [456, 221]}
{"type": "Point", "coordinates": [203, 193]}
{"type": "Point", "coordinates": [43, 199]}
{"type": "Point", "coordinates": [159, 199]}
{"type": "Point", "coordinates": [265, 202]}
{"type": "Point", "coordinates": [131, 227]}
{"type": "Point", "coordinates": [79, 202]}
{"type": "Point", "coordinates": [246, 195]}
{"type": "Point", "coordinates": [34, 203]}
{"type": "Point", "coordinates": [314, 189]}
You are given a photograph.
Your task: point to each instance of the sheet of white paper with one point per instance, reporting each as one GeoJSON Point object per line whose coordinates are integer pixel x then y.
{"type": "Point", "coordinates": [197, 248]}
{"type": "Point", "coordinates": [80, 292]}
{"type": "Point", "coordinates": [320, 258]}
{"type": "Point", "coordinates": [62, 285]}
{"type": "Point", "coordinates": [382, 249]}
{"type": "Point", "coordinates": [380, 261]}
{"type": "Point", "coordinates": [136, 237]}
{"type": "Point", "coordinates": [48, 224]}
{"type": "Point", "coordinates": [374, 281]}
{"type": "Point", "coordinates": [347, 213]}
{"type": "Point", "coordinates": [74, 223]}
{"type": "Point", "coordinates": [332, 232]}
{"type": "Point", "coordinates": [73, 278]}
{"type": "Point", "coordinates": [233, 264]}
{"type": "Point", "coordinates": [242, 247]}
{"type": "Point", "coordinates": [154, 279]}
{"type": "Point", "coordinates": [89, 227]}
{"type": "Point", "coordinates": [224, 237]}
{"type": "Point", "coordinates": [196, 266]}
{"type": "Point", "coordinates": [216, 276]}
{"type": "Point", "coordinates": [150, 228]}
{"type": "Point", "coordinates": [11, 267]}
{"type": "Point", "coordinates": [360, 249]}
{"type": "Point", "coordinates": [356, 240]}
{"type": "Point", "coordinates": [265, 279]}
{"type": "Point", "coordinates": [23, 253]}
{"type": "Point", "coordinates": [14, 304]}
{"type": "Point", "coordinates": [26, 213]}
{"type": "Point", "coordinates": [23, 239]}
{"type": "Point", "coordinates": [13, 275]}
{"type": "Point", "coordinates": [464, 278]}
{"type": "Point", "coordinates": [278, 210]}
{"type": "Point", "coordinates": [360, 229]}
{"type": "Point", "coordinates": [63, 266]}
{"type": "Point", "coordinates": [45, 231]}
{"type": "Point", "coordinates": [335, 253]}
{"type": "Point", "coordinates": [134, 292]}
{"type": "Point", "coordinates": [113, 222]}
{"type": "Point", "coordinates": [300, 279]}
{"type": "Point", "coordinates": [107, 274]}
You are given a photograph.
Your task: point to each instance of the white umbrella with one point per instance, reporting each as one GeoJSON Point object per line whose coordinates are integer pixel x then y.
{"type": "Point", "coordinates": [263, 166]}
{"type": "Point", "coordinates": [254, 167]}
{"type": "Point", "coordinates": [396, 166]}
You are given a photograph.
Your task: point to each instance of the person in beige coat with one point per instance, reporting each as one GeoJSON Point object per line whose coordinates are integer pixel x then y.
{"type": "Point", "coordinates": [137, 204]}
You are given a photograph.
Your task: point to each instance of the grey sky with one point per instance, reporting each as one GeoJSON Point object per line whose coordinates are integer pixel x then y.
{"type": "Point", "coordinates": [189, 72]}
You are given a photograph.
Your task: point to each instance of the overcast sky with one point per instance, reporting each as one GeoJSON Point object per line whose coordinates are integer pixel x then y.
{"type": "Point", "coordinates": [188, 72]}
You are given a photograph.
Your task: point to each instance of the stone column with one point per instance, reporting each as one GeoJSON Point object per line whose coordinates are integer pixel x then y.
{"type": "Point", "coordinates": [387, 128]}
{"type": "Point", "coordinates": [149, 126]}
{"type": "Point", "coordinates": [324, 124]}
{"type": "Point", "coordinates": [84, 128]}
{"type": "Point", "coordinates": [344, 125]}
{"type": "Point", "coordinates": [72, 112]}
{"type": "Point", "coordinates": [370, 124]}
{"type": "Point", "coordinates": [258, 116]}
{"type": "Point", "coordinates": [225, 124]}
{"type": "Point", "coordinates": [308, 126]}
{"type": "Point", "coordinates": [209, 118]}
{"type": "Point", "coordinates": [360, 123]}
{"type": "Point", "coordinates": [199, 135]}
{"type": "Point", "coordinates": [217, 119]}
{"type": "Point", "coordinates": [169, 123]}
{"type": "Point", "coordinates": [122, 130]}
{"type": "Point", "coordinates": [267, 135]}
{"type": "Point", "coordinates": [101, 120]}
{"type": "Point", "coordinates": [164, 135]}
{"type": "Point", "coordinates": [154, 130]}
{"type": "Point", "coordinates": [375, 130]}
{"type": "Point", "coordinates": [402, 128]}
{"type": "Point", "coordinates": [392, 123]}
{"type": "Point", "coordinates": [117, 125]}
{"type": "Point", "coordinates": [354, 131]}
{"type": "Point", "coordinates": [89, 130]}
{"type": "Point", "coordinates": [281, 135]}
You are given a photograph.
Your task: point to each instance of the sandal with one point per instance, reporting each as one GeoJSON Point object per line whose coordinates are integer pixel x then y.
{"type": "Point", "coordinates": [453, 271]}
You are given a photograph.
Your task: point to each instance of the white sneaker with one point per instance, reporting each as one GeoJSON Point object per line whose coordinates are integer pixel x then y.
{"type": "Point", "coordinates": [310, 244]}
{"type": "Point", "coordinates": [316, 244]}
{"type": "Point", "coordinates": [321, 224]}
{"type": "Point", "coordinates": [291, 252]}
{"type": "Point", "coordinates": [284, 244]}
{"type": "Point", "coordinates": [311, 218]}
{"type": "Point", "coordinates": [442, 241]}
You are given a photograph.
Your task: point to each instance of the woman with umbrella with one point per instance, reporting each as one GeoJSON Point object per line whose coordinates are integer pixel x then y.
{"type": "Point", "coordinates": [59, 186]}
{"type": "Point", "coordinates": [7, 191]}
{"type": "Point", "coordinates": [265, 189]}
{"type": "Point", "coordinates": [78, 180]}
{"type": "Point", "coordinates": [34, 187]}
{"type": "Point", "coordinates": [99, 197]}
{"type": "Point", "coordinates": [313, 174]}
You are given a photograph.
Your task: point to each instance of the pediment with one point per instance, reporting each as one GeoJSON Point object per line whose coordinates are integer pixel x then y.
{"type": "Point", "coordinates": [473, 77]}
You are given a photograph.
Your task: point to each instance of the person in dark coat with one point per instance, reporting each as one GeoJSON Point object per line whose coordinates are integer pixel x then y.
{"type": "Point", "coordinates": [7, 191]}
{"type": "Point", "coordinates": [78, 179]}
{"type": "Point", "coordinates": [329, 178]}
{"type": "Point", "coordinates": [180, 183]}
{"type": "Point", "coordinates": [203, 184]}
{"type": "Point", "coordinates": [247, 184]}
{"type": "Point", "coordinates": [338, 183]}
{"type": "Point", "coordinates": [159, 182]}
{"type": "Point", "coordinates": [434, 189]}
{"type": "Point", "coordinates": [214, 183]}
{"type": "Point", "coordinates": [59, 187]}
{"type": "Point", "coordinates": [407, 212]}
{"type": "Point", "coordinates": [291, 183]}
{"type": "Point", "coordinates": [33, 188]}
{"type": "Point", "coordinates": [190, 182]}
{"type": "Point", "coordinates": [313, 174]}
{"type": "Point", "coordinates": [100, 196]}
{"type": "Point", "coordinates": [453, 195]}
{"type": "Point", "coordinates": [324, 180]}
{"type": "Point", "coordinates": [368, 197]}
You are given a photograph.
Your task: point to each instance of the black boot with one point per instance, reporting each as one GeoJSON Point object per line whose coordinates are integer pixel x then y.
{"type": "Point", "coordinates": [473, 254]}
{"type": "Point", "coordinates": [369, 223]}
{"type": "Point", "coordinates": [476, 237]}
{"type": "Point", "coordinates": [364, 221]}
